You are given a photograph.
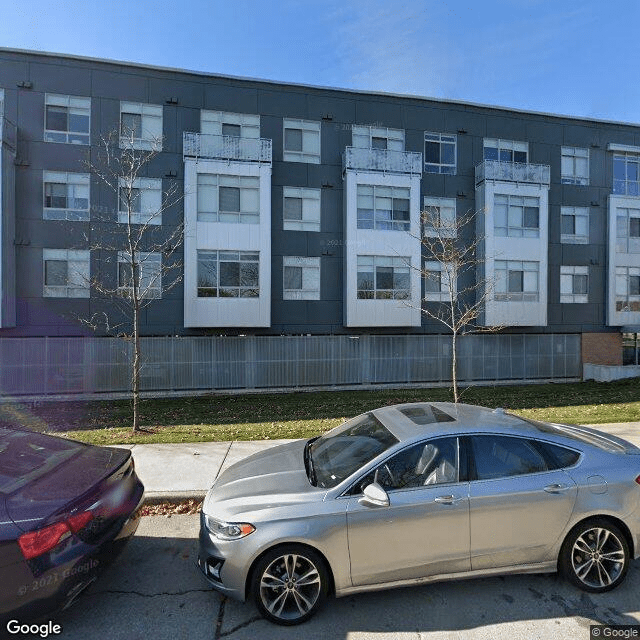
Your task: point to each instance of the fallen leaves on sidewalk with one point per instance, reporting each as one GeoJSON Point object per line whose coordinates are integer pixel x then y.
{"type": "Point", "coordinates": [188, 507]}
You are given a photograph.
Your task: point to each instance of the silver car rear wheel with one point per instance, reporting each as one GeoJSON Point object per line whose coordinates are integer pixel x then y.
{"type": "Point", "coordinates": [596, 556]}
{"type": "Point", "coordinates": [289, 584]}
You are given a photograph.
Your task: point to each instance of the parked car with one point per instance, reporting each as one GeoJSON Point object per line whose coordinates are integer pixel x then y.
{"type": "Point", "coordinates": [414, 493]}
{"type": "Point", "coordinates": [66, 510]}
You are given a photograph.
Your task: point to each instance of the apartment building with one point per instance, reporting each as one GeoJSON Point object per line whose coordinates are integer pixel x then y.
{"type": "Point", "coordinates": [302, 205]}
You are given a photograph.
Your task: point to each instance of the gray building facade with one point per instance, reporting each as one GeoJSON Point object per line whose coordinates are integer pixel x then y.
{"type": "Point", "coordinates": [300, 203]}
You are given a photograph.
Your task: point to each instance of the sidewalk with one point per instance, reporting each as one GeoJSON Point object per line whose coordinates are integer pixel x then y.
{"type": "Point", "coordinates": [176, 472]}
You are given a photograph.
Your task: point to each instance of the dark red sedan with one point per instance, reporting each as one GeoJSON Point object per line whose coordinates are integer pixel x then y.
{"type": "Point", "coordinates": [66, 510]}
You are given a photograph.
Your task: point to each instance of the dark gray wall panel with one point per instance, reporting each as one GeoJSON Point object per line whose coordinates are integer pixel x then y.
{"type": "Point", "coordinates": [64, 79]}
{"type": "Point", "coordinates": [131, 87]}
{"type": "Point", "coordinates": [230, 97]}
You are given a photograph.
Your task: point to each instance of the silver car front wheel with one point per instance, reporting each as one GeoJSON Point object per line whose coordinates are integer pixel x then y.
{"type": "Point", "coordinates": [595, 556]}
{"type": "Point", "coordinates": [289, 584]}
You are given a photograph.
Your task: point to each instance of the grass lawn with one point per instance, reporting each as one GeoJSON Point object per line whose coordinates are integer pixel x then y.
{"type": "Point", "coordinates": [298, 415]}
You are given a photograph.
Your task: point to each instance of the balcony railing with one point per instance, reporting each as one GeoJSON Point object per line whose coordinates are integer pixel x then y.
{"type": "Point", "coordinates": [382, 160]}
{"type": "Point", "coordinates": [209, 146]}
{"type": "Point", "coordinates": [513, 172]}
{"type": "Point", "coordinates": [7, 132]}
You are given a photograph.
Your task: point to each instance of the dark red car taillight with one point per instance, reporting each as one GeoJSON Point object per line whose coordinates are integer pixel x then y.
{"type": "Point", "coordinates": [35, 543]}
{"type": "Point", "coordinates": [638, 479]}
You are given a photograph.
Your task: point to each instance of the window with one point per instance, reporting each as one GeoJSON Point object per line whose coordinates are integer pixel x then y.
{"type": "Point", "coordinates": [301, 209]}
{"type": "Point", "coordinates": [300, 278]}
{"type": "Point", "coordinates": [384, 278]}
{"type": "Point", "coordinates": [440, 153]}
{"type": "Point", "coordinates": [143, 199]}
{"type": "Point", "coordinates": [575, 165]}
{"type": "Point", "coordinates": [383, 208]}
{"type": "Point", "coordinates": [66, 119]}
{"type": "Point", "coordinates": [574, 284]}
{"type": "Point", "coordinates": [65, 273]}
{"type": "Point", "coordinates": [437, 281]}
{"type": "Point", "coordinates": [574, 225]}
{"type": "Point", "coordinates": [364, 137]}
{"type": "Point", "coordinates": [140, 126]}
{"type": "Point", "coordinates": [628, 230]}
{"type": "Point", "coordinates": [66, 196]}
{"type": "Point", "coordinates": [505, 150]}
{"type": "Point", "coordinates": [626, 174]}
{"type": "Point", "coordinates": [148, 270]}
{"type": "Point", "coordinates": [228, 274]}
{"type": "Point", "coordinates": [516, 280]}
{"type": "Point", "coordinates": [503, 457]}
{"type": "Point", "coordinates": [439, 217]}
{"type": "Point", "coordinates": [516, 216]}
{"type": "Point", "coordinates": [301, 141]}
{"type": "Point", "coordinates": [422, 465]}
{"type": "Point", "coordinates": [236, 125]}
{"type": "Point", "coordinates": [627, 288]}
{"type": "Point", "coordinates": [223, 198]}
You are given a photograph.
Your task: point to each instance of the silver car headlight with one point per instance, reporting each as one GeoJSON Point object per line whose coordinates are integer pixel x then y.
{"type": "Point", "coordinates": [228, 530]}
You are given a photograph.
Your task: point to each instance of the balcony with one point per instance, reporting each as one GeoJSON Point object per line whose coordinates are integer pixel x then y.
{"type": "Point", "coordinates": [208, 146]}
{"type": "Point", "coordinates": [7, 133]}
{"type": "Point", "coordinates": [513, 172]}
{"type": "Point", "coordinates": [355, 158]}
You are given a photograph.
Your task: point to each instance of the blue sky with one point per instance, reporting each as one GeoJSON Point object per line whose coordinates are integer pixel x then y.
{"type": "Point", "coordinates": [578, 57]}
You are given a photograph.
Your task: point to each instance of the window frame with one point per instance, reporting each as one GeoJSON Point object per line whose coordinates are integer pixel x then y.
{"type": "Point", "coordinates": [223, 253]}
{"type": "Point", "coordinates": [505, 146]}
{"type": "Point", "coordinates": [381, 261]}
{"type": "Point", "coordinates": [513, 266]}
{"type": "Point", "coordinates": [145, 259]}
{"type": "Point", "coordinates": [572, 272]}
{"type": "Point", "coordinates": [625, 186]}
{"type": "Point", "coordinates": [212, 122]}
{"type": "Point", "coordinates": [311, 271]}
{"type": "Point", "coordinates": [576, 213]}
{"type": "Point", "coordinates": [303, 154]}
{"type": "Point", "coordinates": [446, 285]}
{"type": "Point", "coordinates": [574, 154]}
{"type": "Point", "coordinates": [68, 136]}
{"type": "Point", "coordinates": [311, 212]}
{"type": "Point", "coordinates": [150, 187]}
{"type": "Point", "coordinates": [243, 183]}
{"type": "Point", "coordinates": [148, 113]}
{"type": "Point", "coordinates": [362, 132]}
{"type": "Point", "coordinates": [512, 203]}
{"type": "Point", "coordinates": [626, 302]}
{"type": "Point", "coordinates": [449, 227]}
{"type": "Point", "coordinates": [445, 168]}
{"type": "Point", "coordinates": [69, 179]}
{"type": "Point", "coordinates": [625, 241]}
{"type": "Point", "coordinates": [80, 289]}
{"type": "Point", "coordinates": [378, 222]}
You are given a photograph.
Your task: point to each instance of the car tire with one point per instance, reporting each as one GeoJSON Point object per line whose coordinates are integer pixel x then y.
{"type": "Point", "coordinates": [289, 584]}
{"type": "Point", "coordinates": [595, 556]}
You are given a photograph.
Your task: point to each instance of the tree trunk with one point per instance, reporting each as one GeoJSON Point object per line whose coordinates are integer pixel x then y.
{"type": "Point", "coordinates": [135, 379]}
{"type": "Point", "coordinates": [454, 367]}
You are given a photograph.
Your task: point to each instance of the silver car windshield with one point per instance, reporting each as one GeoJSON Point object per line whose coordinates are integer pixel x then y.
{"type": "Point", "coordinates": [345, 449]}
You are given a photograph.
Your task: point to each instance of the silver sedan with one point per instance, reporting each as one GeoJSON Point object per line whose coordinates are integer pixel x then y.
{"type": "Point", "coordinates": [414, 493]}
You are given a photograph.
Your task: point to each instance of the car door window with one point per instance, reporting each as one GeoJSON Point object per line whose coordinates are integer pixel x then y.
{"type": "Point", "coordinates": [427, 463]}
{"type": "Point", "coordinates": [504, 456]}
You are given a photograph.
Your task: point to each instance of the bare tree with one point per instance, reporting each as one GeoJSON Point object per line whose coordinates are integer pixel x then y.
{"type": "Point", "coordinates": [139, 254]}
{"type": "Point", "coordinates": [456, 289]}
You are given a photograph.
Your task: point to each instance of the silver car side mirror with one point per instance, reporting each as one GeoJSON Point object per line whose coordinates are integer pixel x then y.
{"type": "Point", "coordinates": [374, 496]}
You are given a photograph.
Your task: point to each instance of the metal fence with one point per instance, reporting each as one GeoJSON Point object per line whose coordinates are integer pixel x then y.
{"type": "Point", "coordinates": [43, 366]}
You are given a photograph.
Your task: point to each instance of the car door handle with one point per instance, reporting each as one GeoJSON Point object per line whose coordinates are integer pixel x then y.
{"type": "Point", "coordinates": [451, 499]}
{"type": "Point", "coordinates": [556, 488]}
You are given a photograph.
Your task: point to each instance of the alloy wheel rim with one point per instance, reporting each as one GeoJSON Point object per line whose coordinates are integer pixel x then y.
{"type": "Point", "coordinates": [598, 557]}
{"type": "Point", "coordinates": [290, 586]}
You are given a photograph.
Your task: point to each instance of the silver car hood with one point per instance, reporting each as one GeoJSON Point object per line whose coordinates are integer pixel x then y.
{"type": "Point", "coordinates": [272, 478]}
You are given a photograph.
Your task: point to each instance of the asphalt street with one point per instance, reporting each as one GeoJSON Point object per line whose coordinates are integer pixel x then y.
{"type": "Point", "coordinates": [155, 592]}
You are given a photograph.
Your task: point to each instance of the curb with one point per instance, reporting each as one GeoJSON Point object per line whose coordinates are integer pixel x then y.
{"type": "Point", "coordinates": [174, 497]}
